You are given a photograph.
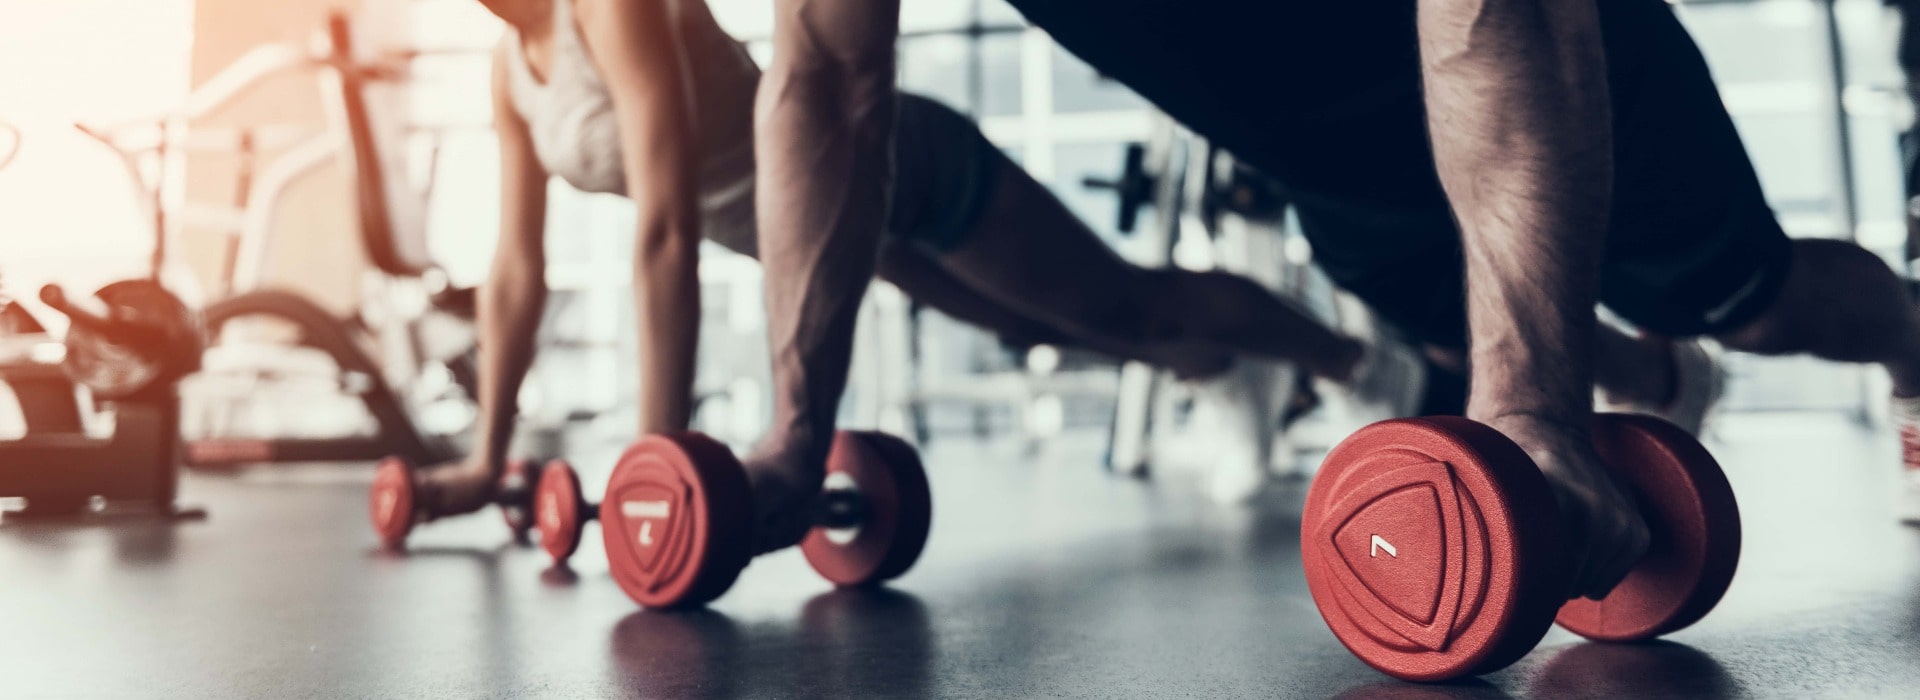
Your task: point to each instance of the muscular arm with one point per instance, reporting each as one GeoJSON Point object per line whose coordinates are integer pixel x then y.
{"type": "Point", "coordinates": [515, 292]}
{"type": "Point", "coordinates": [632, 44]}
{"type": "Point", "coordinates": [823, 129]}
{"type": "Point", "coordinates": [1518, 110]}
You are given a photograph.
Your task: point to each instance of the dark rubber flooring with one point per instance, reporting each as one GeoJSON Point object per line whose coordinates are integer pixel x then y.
{"type": "Point", "coordinates": [1044, 578]}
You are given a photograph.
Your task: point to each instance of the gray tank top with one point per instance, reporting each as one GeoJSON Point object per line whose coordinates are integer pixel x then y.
{"type": "Point", "coordinates": [576, 135]}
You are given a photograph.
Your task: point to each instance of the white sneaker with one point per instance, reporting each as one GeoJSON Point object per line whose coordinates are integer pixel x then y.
{"type": "Point", "coordinates": [1241, 406]}
{"type": "Point", "coordinates": [1388, 383]}
{"type": "Point", "coordinates": [1699, 381]}
{"type": "Point", "coordinates": [1906, 420]}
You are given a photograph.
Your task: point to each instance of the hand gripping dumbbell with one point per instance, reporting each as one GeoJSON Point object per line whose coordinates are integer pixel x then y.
{"type": "Point", "coordinates": [680, 516]}
{"type": "Point", "coordinates": [396, 506]}
{"type": "Point", "coordinates": [1434, 549]}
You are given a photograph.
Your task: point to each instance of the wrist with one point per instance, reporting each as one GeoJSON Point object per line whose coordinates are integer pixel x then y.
{"type": "Point", "coordinates": [1531, 429]}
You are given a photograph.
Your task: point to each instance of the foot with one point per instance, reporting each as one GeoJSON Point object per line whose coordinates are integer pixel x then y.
{"type": "Point", "coordinates": [1387, 382]}
{"type": "Point", "coordinates": [1906, 420]}
{"type": "Point", "coordinates": [1698, 383]}
{"type": "Point", "coordinates": [1243, 404]}
{"type": "Point", "coordinates": [784, 490]}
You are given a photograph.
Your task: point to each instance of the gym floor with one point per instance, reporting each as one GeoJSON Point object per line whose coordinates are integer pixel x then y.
{"type": "Point", "coordinates": [1044, 577]}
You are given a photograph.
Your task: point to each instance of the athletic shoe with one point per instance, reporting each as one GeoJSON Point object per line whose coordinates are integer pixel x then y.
{"type": "Point", "coordinates": [1698, 381]}
{"type": "Point", "coordinates": [1906, 420]}
{"type": "Point", "coordinates": [1241, 407]}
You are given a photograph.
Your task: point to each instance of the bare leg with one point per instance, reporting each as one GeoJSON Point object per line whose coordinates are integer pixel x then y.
{"type": "Point", "coordinates": [1031, 254]}
{"type": "Point", "coordinates": [823, 127]}
{"type": "Point", "coordinates": [923, 279]}
{"type": "Point", "coordinates": [1840, 303]}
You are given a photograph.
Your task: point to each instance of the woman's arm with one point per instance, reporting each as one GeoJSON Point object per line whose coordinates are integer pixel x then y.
{"type": "Point", "coordinates": [632, 44]}
{"type": "Point", "coordinates": [515, 293]}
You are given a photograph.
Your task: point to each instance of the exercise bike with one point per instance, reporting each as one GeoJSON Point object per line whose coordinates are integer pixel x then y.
{"type": "Point", "coordinates": [377, 355]}
{"type": "Point", "coordinates": [127, 349]}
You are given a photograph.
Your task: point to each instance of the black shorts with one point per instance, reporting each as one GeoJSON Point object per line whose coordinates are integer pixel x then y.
{"type": "Point", "coordinates": [1330, 105]}
{"type": "Point", "coordinates": [944, 171]}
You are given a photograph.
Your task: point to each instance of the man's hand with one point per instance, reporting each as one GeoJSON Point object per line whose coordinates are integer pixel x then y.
{"type": "Point", "coordinates": [1606, 535]}
{"type": "Point", "coordinates": [786, 483]}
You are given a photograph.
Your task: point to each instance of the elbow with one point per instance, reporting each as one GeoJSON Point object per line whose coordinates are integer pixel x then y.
{"type": "Point", "coordinates": [666, 243]}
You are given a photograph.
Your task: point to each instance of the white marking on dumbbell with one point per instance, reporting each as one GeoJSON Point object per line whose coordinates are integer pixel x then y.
{"type": "Point", "coordinates": [646, 534]}
{"type": "Point", "coordinates": [646, 509]}
{"type": "Point", "coordinates": [1380, 543]}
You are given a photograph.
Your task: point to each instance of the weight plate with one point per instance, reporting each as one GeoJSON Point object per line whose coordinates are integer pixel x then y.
{"type": "Point", "coordinates": [1431, 548]}
{"type": "Point", "coordinates": [887, 476]}
{"type": "Point", "coordinates": [391, 501]}
{"type": "Point", "coordinates": [1695, 527]}
{"type": "Point", "coordinates": [679, 520]}
{"type": "Point", "coordinates": [561, 509]}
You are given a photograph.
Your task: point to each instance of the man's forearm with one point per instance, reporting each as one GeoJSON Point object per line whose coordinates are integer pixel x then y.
{"type": "Point", "coordinates": [666, 296]}
{"type": "Point", "coordinates": [823, 132]}
{"type": "Point", "coordinates": [1521, 126]}
{"type": "Point", "coordinates": [511, 303]}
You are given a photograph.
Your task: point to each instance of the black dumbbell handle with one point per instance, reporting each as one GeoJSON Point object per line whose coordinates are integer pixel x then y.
{"type": "Point", "coordinates": [841, 508]}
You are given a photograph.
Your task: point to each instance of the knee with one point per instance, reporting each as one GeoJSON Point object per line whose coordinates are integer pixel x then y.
{"type": "Point", "coordinates": [1809, 304]}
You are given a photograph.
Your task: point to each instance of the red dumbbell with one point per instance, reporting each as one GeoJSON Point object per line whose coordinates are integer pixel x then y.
{"type": "Point", "coordinates": [1434, 549]}
{"type": "Point", "coordinates": [395, 505]}
{"type": "Point", "coordinates": [682, 526]}
{"type": "Point", "coordinates": [561, 511]}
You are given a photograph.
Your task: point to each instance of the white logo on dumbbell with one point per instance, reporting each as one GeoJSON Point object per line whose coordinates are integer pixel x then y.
{"type": "Point", "coordinates": [1380, 543]}
{"type": "Point", "coordinates": [648, 511]}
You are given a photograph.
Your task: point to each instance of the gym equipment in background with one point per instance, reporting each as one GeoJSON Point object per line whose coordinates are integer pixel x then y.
{"type": "Point", "coordinates": [130, 357]}
{"type": "Point", "coordinates": [1434, 549]}
{"type": "Point", "coordinates": [407, 348]}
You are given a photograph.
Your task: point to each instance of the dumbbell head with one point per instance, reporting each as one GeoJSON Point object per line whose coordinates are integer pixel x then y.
{"type": "Point", "coordinates": [678, 520]}
{"type": "Point", "coordinates": [391, 501]}
{"type": "Point", "coordinates": [561, 510]}
{"type": "Point", "coordinates": [878, 510]}
{"type": "Point", "coordinates": [1694, 525]}
{"type": "Point", "coordinates": [515, 496]}
{"type": "Point", "coordinates": [1432, 548]}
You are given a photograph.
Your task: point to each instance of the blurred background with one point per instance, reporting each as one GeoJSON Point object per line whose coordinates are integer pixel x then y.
{"type": "Point", "coordinates": [246, 199]}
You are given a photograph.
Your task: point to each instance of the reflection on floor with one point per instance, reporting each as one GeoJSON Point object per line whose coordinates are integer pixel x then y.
{"type": "Point", "coordinates": [1044, 578]}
